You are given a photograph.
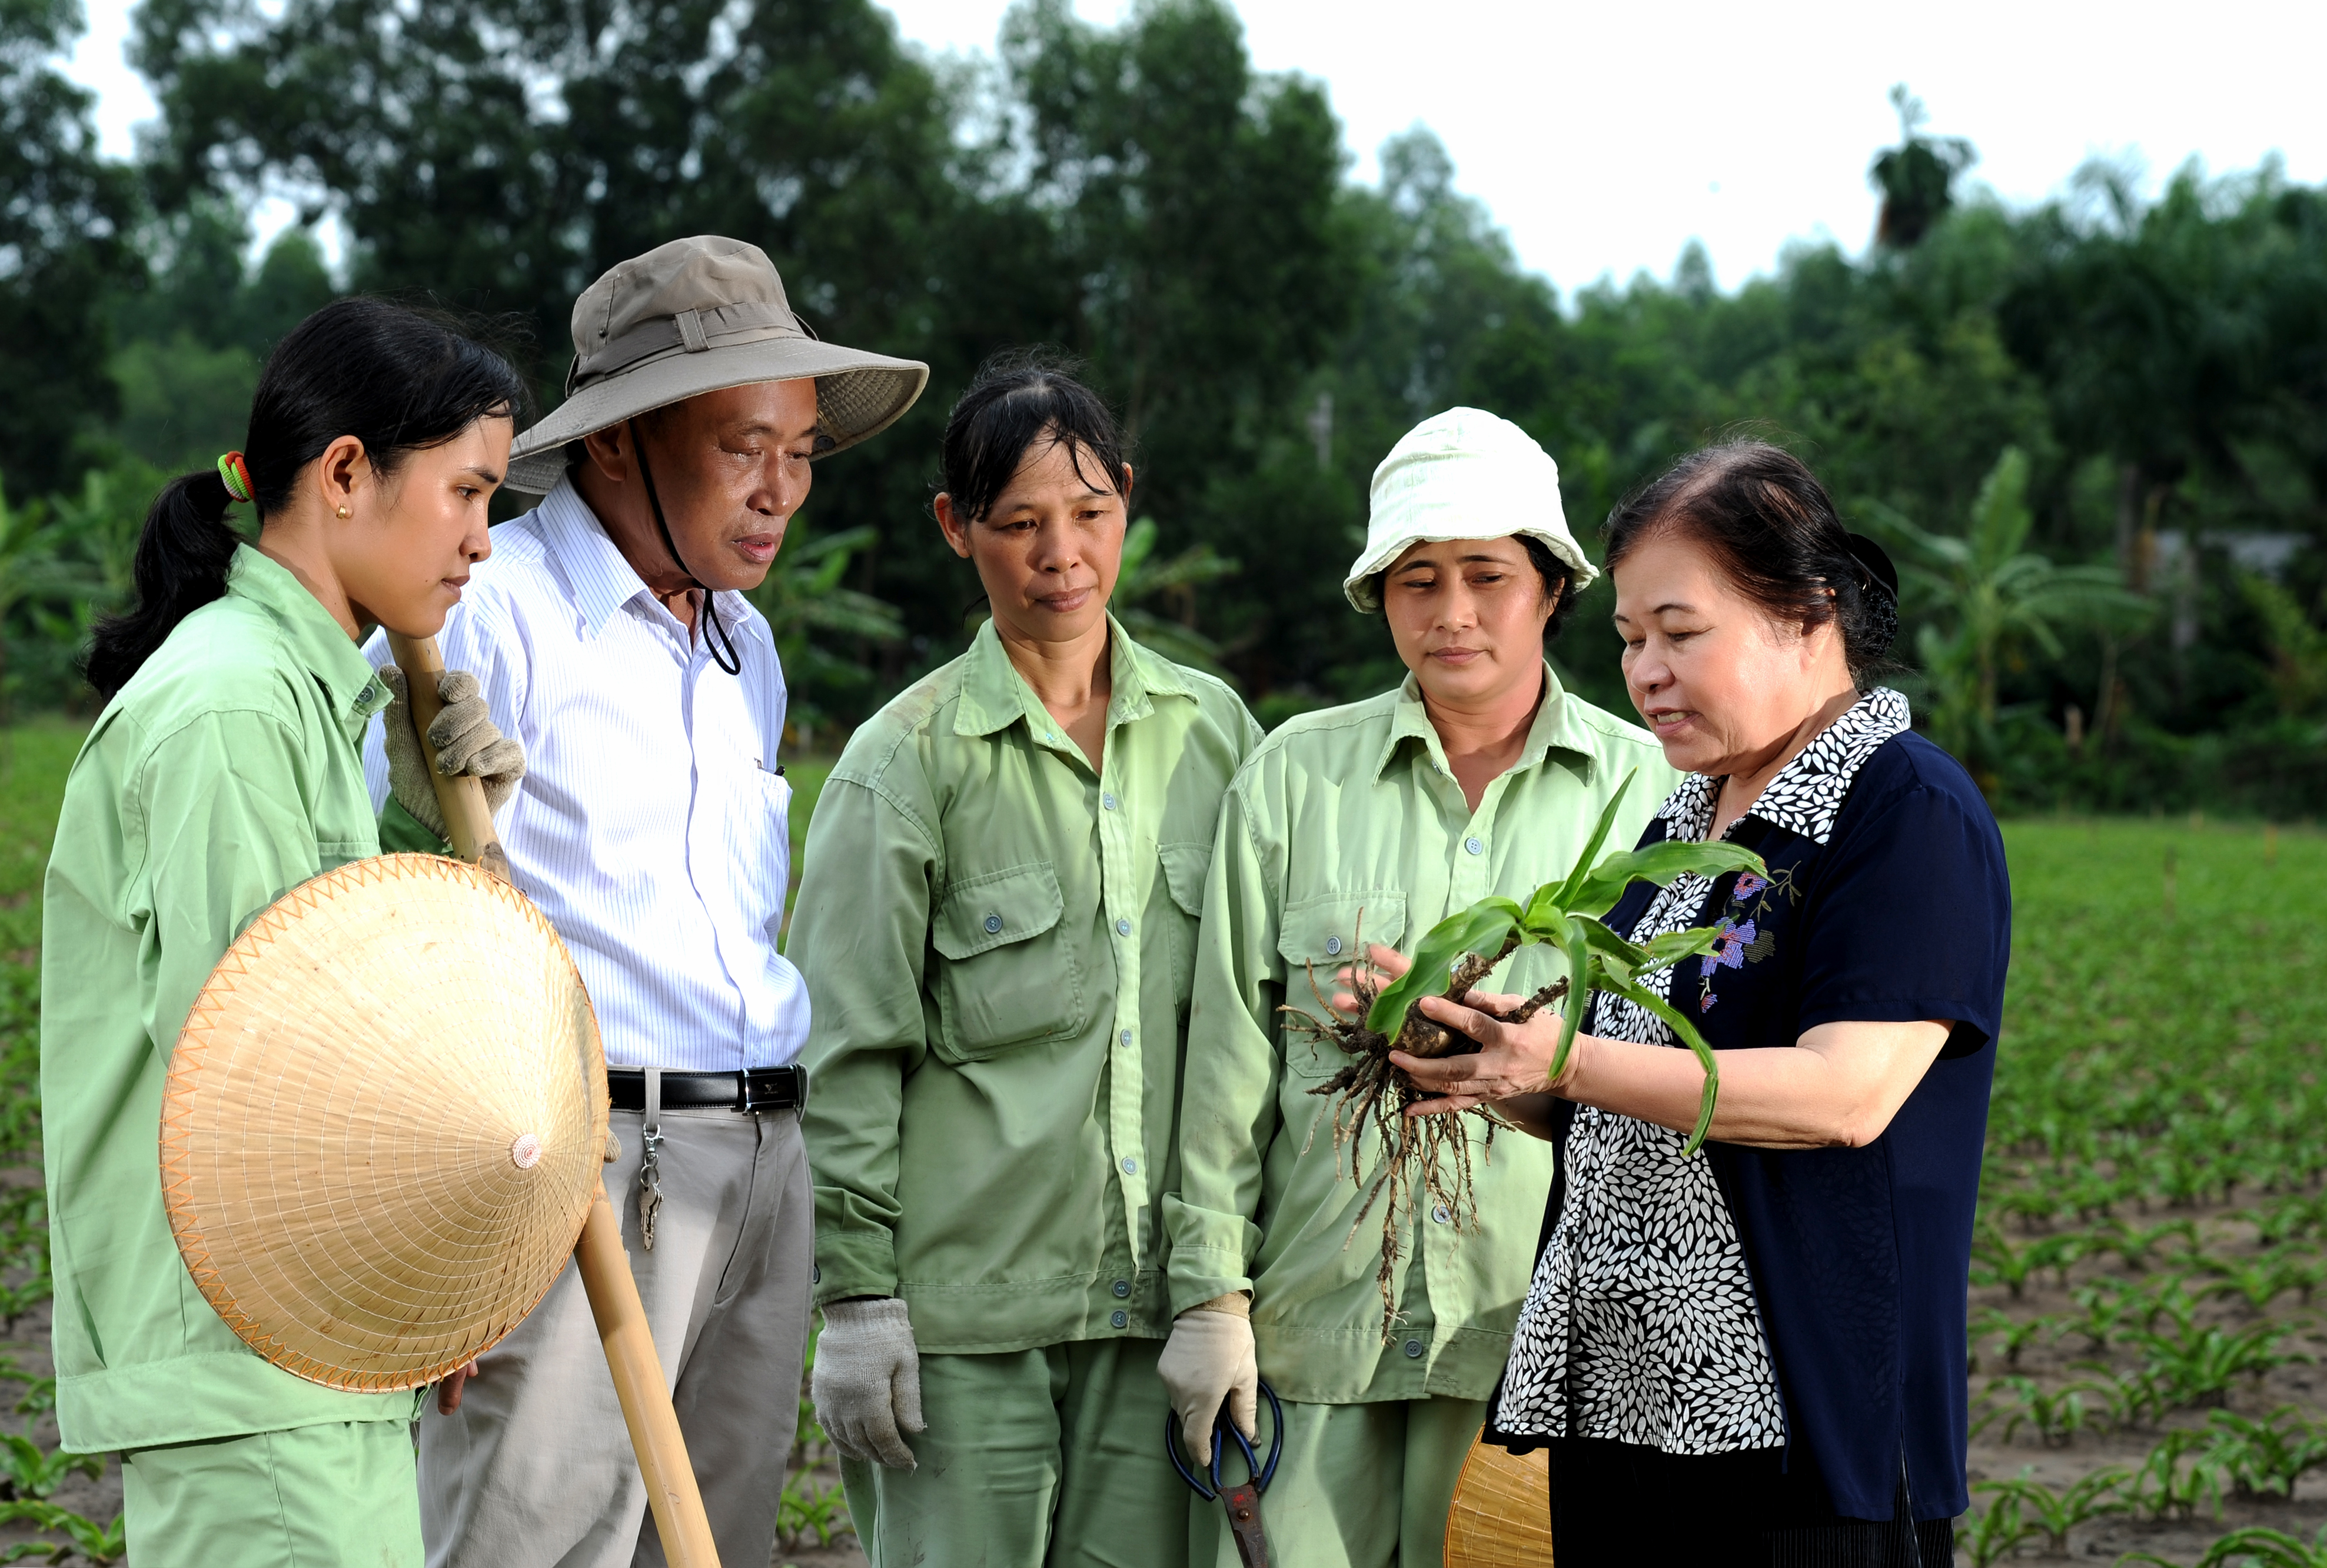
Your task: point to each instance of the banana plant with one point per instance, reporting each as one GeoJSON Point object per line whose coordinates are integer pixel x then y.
{"type": "Point", "coordinates": [1461, 949]}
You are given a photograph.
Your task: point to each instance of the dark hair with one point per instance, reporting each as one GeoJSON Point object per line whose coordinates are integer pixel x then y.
{"type": "Point", "coordinates": [395, 378]}
{"type": "Point", "coordinates": [1548, 566]}
{"type": "Point", "coordinates": [1771, 529]}
{"type": "Point", "coordinates": [1018, 399]}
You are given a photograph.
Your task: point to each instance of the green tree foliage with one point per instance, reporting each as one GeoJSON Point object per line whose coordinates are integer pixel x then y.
{"type": "Point", "coordinates": [1917, 178]}
{"type": "Point", "coordinates": [65, 217]}
{"type": "Point", "coordinates": [1140, 196]}
{"type": "Point", "coordinates": [1989, 598]}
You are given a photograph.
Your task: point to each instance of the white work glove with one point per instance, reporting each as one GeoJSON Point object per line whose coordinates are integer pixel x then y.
{"type": "Point", "coordinates": [1208, 1359]}
{"type": "Point", "coordinates": [867, 1382]}
{"type": "Point", "coordinates": [465, 739]}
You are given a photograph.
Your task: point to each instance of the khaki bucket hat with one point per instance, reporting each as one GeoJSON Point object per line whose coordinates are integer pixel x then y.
{"type": "Point", "coordinates": [696, 315]}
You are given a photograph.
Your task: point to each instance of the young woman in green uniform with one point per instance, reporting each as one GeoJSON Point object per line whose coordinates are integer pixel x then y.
{"type": "Point", "coordinates": [222, 772]}
{"type": "Point", "coordinates": [1372, 822]}
{"type": "Point", "coordinates": [997, 928]}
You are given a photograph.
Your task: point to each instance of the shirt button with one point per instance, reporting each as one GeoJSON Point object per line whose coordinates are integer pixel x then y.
{"type": "Point", "coordinates": [1332, 946]}
{"type": "Point", "coordinates": [1413, 1349]}
{"type": "Point", "coordinates": [993, 924]}
{"type": "Point", "coordinates": [1121, 1319]}
{"type": "Point", "coordinates": [1107, 800]}
{"type": "Point", "coordinates": [1475, 846]}
{"type": "Point", "coordinates": [1124, 1037]}
{"type": "Point", "coordinates": [1122, 1289]}
{"type": "Point", "coordinates": [1440, 1215]}
{"type": "Point", "coordinates": [1123, 927]}
{"type": "Point", "coordinates": [1131, 1167]}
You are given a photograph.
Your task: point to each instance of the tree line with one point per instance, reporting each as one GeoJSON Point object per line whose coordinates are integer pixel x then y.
{"type": "Point", "coordinates": [2094, 431]}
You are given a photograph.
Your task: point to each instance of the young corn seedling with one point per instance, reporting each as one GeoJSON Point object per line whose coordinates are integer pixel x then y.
{"type": "Point", "coordinates": [32, 1473]}
{"type": "Point", "coordinates": [2178, 1479]}
{"type": "Point", "coordinates": [2257, 1546]}
{"type": "Point", "coordinates": [1432, 1154]}
{"type": "Point", "coordinates": [2055, 1514]}
{"type": "Point", "coordinates": [2265, 1457]}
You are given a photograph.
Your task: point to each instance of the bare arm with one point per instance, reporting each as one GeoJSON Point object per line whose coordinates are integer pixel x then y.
{"type": "Point", "coordinates": [1839, 1084]}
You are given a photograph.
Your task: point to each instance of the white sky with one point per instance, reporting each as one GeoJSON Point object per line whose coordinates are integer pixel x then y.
{"type": "Point", "coordinates": [1604, 138]}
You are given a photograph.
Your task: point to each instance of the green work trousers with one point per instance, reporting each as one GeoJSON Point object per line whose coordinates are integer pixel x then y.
{"type": "Point", "coordinates": [338, 1496]}
{"type": "Point", "coordinates": [1360, 1486]}
{"type": "Point", "coordinates": [1047, 1457]}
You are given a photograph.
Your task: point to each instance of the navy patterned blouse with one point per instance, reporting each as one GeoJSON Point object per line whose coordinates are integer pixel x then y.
{"type": "Point", "coordinates": [1811, 1301]}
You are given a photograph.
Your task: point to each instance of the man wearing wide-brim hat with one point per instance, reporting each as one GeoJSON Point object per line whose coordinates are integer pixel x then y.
{"type": "Point", "coordinates": [610, 634]}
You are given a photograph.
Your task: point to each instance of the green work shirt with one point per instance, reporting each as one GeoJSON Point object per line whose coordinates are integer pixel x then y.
{"type": "Point", "coordinates": [223, 775]}
{"type": "Point", "coordinates": [998, 944]}
{"type": "Point", "coordinates": [1345, 821]}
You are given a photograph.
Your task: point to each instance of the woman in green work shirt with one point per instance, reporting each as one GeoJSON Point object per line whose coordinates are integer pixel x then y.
{"type": "Point", "coordinates": [1478, 776]}
{"type": "Point", "coordinates": [997, 927]}
{"type": "Point", "coordinates": [222, 773]}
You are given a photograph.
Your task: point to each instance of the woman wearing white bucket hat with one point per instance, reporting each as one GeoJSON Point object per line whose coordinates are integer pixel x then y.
{"type": "Point", "coordinates": [1478, 776]}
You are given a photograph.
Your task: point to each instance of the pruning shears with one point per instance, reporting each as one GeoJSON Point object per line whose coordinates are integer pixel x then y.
{"type": "Point", "coordinates": [1241, 1500]}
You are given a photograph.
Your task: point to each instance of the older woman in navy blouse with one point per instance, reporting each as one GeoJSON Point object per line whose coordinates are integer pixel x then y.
{"type": "Point", "coordinates": [1756, 1353]}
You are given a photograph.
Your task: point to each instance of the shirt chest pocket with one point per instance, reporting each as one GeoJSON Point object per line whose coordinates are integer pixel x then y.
{"type": "Point", "coordinates": [1316, 937]}
{"type": "Point", "coordinates": [1007, 976]}
{"type": "Point", "coordinates": [1185, 867]}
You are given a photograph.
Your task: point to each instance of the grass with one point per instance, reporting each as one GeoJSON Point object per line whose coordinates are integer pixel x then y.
{"type": "Point", "coordinates": [2153, 1221]}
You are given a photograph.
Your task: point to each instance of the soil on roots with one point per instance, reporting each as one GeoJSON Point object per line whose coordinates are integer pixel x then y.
{"type": "Point", "coordinates": [1425, 1157]}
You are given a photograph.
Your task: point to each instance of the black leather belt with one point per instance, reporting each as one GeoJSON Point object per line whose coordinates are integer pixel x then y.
{"type": "Point", "coordinates": [763, 1088]}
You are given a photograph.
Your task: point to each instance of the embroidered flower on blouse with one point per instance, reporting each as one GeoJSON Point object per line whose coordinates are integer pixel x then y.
{"type": "Point", "coordinates": [1748, 884]}
{"type": "Point", "coordinates": [1729, 947]}
{"type": "Point", "coordinates": [1705, 1003]}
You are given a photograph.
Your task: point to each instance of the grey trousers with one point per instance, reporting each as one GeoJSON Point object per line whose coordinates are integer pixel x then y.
{"type": "Point", "coordinates": [535, 1470]}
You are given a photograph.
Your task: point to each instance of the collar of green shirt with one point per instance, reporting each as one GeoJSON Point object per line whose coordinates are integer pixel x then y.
{"type": "Point", "coordinates": [995, 695]}
{"type": "Point", "coordinates": [318, 642]}
{"type": "Point", "coordinates": [1558, 726]}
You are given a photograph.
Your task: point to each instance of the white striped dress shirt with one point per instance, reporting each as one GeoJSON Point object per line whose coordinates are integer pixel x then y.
{"type": "Point", "coordinates": [651, 826]}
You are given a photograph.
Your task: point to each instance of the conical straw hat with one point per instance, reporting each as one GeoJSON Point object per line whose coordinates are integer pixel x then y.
{"type": "Point", "coordinates": [1501, 1517]}
{"type": "Point", "coordinates": [384, 1123]}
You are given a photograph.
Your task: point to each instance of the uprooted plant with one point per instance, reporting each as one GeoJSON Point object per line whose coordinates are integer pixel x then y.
{"type": "Point", "coordinates": [1433, 1153]}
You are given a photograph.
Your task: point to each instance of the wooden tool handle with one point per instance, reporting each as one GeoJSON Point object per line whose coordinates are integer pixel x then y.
{"type": "Point", "coordinates": [671, 1491]}
{"type": "Point", "coordinates": [605, 1267]}
{"type": "Point", "coordinates": [468, 820]}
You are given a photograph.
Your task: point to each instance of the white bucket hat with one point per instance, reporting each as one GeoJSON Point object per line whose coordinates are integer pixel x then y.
{"type": "Point", "coordinates": [1464, 474]}
{"type": "Point", "coordinates": [699, 315]}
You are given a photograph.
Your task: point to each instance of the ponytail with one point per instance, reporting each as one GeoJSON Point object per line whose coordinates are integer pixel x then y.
{"type": "Point", "coordinates": [395, 378]}
{"type": "Point", "coordinates": [183, 558]}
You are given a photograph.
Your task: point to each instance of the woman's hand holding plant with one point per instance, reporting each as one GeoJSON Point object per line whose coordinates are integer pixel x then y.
{"type": "Point", "coordinates": [1512, 1073]}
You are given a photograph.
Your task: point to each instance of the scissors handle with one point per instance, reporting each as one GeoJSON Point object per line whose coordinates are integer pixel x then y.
{"type": "Point", "coordinates": [1258, 1473]}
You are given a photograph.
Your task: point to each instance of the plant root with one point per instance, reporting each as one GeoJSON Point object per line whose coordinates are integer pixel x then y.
{"type": "Point", "coordinates": [1427, 1158]}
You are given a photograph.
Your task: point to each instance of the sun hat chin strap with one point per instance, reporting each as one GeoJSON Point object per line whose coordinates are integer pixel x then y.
{"type": "Point", "coordinates": [714, 636]}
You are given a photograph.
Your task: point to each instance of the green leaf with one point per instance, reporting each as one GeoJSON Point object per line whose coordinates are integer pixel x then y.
{"type": "Point", "coordinates": [1610, 945]}
{"type": "Point", "coordinates": [1674, 946]}
{"type": "Point", "coordinates": [1688, 1036]}
{"type": "Point", "coordinates": [1659, 864]}
{"type": "Point", "coordinates": [1574, 880]}
{"type": "Point", "coordinates": [1576, 943]}
{"type": "Point", "coordinates": [1481, 928]}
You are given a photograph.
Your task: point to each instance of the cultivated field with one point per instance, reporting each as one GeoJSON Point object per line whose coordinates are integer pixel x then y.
{"type": "Point", "coordinates": [2150, 1287]}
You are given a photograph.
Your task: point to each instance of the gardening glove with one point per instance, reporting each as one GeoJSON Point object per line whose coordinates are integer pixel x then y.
{"type": "Point", "coordinates": [867, 1382]}
{"type": "Point", "coordinates": [465, 739]}
{"type": "Point", "coordinates": [1210, 1359]}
